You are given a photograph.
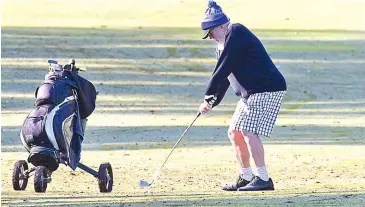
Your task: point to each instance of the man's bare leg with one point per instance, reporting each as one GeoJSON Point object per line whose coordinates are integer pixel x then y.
{"type": "Point", "coordinates": [243, 159]}
{"type": "Point", "coordinates": [256, 149]}
{"type": "Point", "coordinates": [240, 148]}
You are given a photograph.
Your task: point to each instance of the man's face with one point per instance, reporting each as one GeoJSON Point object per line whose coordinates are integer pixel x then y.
{"type": "Point", "coordinates": [218, 34]}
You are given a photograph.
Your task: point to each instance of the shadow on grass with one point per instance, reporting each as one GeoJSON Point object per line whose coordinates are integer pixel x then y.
{"type": "Point", "coordinates": [164, 137]}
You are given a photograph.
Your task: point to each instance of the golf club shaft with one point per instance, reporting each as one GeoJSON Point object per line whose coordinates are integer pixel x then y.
{"type": "Point", "coordinates": [178, 141]}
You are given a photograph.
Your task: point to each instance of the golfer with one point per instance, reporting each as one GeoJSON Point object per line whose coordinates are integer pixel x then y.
{"type": "Point", "coordinates": [244, 64]}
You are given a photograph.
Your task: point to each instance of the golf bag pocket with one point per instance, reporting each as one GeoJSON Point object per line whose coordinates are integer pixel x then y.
{"type": "Point", "coordinates": [60, 122]}
{"type": "Point", "coordinates": [64, 130]}
{"type": "Point", "coordinates": [33, 130]}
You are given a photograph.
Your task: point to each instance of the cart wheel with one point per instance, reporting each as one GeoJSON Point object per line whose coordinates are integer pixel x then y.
{"type": "Point", "coordinates": [20, 180]}
{"type": "Point", "coordinates": [105, 177]}
{"type": "Point", "coordinates": [40, 179]}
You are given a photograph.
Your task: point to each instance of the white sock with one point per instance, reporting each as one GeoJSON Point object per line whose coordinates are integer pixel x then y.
{"type": "Point", "coordinates": [246, 173]}
{"type": "Point", "coordinates": [262, 173]}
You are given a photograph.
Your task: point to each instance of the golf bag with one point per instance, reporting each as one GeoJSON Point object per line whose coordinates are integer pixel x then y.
{"type": "Point", "coordinates": [53, 131]}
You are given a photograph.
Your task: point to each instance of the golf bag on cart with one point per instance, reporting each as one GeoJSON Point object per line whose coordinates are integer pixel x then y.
{"type": "Point", "coordinates": [53, 131]}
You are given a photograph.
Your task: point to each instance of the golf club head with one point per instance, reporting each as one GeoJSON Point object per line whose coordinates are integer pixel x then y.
{"type": "Point", "coordinates": [143, 184]}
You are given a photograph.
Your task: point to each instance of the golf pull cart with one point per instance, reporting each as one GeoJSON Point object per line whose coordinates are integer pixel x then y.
{"type": "Point", "coordinates": [53, 131]}
{"type": "Point", "coordinates": [42, 176]}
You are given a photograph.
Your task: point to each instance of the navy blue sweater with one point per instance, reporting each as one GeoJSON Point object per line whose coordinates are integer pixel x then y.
{"type": "Point", "coordinates": [245, 57]}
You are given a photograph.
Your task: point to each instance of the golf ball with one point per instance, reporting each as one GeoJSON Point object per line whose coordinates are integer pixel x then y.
{"type": "Point", "coordinates": [149, 191]}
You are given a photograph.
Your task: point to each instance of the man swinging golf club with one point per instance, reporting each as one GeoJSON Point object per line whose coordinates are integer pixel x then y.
{"type": "Point", "coordinates": [244, 64]}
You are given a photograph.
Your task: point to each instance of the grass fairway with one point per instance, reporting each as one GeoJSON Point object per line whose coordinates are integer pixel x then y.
{"type": "Point", "coordinates": [150, 67]}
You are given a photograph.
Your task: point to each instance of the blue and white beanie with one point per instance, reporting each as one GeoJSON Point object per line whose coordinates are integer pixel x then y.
{"type": "Point", "coordinates": [214, 16]}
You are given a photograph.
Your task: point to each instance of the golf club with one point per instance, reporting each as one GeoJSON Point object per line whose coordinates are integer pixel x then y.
{"type": "Point", "coordinates": [143, 183]}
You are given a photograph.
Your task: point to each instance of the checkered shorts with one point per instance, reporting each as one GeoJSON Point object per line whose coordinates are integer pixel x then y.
{"type": "Point", "coordinates": [257, 113]}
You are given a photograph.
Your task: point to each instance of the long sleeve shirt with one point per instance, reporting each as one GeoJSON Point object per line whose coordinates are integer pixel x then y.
{"type": "Point", "coordinates": [235, 85]}
{"type": "Point", "coordinates": [246, 59]}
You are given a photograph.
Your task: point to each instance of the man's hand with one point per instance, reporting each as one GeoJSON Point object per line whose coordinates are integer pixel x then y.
{"type": "Point", "coordinates": [205, 107]}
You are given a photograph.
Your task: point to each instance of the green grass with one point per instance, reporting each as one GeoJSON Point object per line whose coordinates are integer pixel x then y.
{"type": "Point", "coordinates": [194, 67]}
{"type": "Point", "coordinates": [296, 105]}
{"type": "Point", "coordinates": [195, 52]}
{"type": "Point", "coordinates": [313, 47]}
{"type": "Point", "coordinates": [171, 51]}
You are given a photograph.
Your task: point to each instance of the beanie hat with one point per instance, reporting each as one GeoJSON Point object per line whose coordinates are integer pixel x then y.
{"type": "Point", "coordinates": [213, 17]}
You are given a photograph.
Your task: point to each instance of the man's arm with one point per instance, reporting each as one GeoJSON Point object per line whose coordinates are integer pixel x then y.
{"type": "Point", "coordinates": [219, 83]}
{"type": "Point", "coordinates": [221, 92]}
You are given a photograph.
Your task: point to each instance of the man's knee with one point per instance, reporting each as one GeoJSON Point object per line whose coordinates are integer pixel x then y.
{"type": "Point", "coordinates": [249, 136]}
{"type": "Point", "coordinates": [234, 135]}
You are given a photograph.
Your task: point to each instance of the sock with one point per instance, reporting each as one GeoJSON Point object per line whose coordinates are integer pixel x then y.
{"type": "Point", "coordinates": [246, 173]}
{"type": "Point", "coordinates": [262, 173]}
